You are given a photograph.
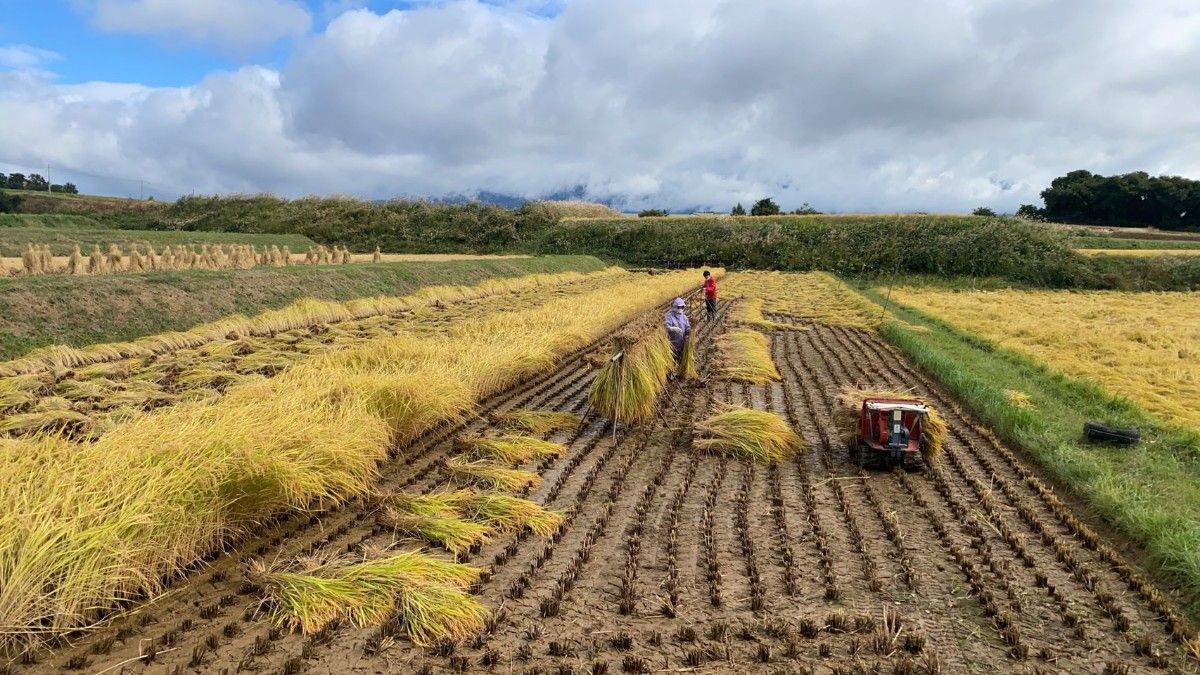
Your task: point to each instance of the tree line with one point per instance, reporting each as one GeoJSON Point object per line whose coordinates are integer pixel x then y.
{"type": "Point", "coordinates": [1128, 200]}
{"type": "Point", "coordinates": [35, 182]}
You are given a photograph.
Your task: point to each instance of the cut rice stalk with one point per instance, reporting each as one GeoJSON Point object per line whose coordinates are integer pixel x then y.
{"type": "Point", "coordinates": [448, 531]}
{"type": "Point", "coordinates": [759, 435]}
{"type": "Point", "coordinates": [45, 421]}
{"type": "Point", "coordinates": [513, 449]}
{"type": "Point", "coordinates": [425, 593]}
{"type": "Point", "coordinates": [686, 370]}
{"type": "Point", "coordinates": [749, 312]}
{"type": "Point", "coordinates": [509, 513]}
{"type": "Point", "coordinates": [538, 422]}
{"type": "Point", "coordinates": [491, 475]}
{"type": "Point", "coordinates": [627, 387]}
{"type": "Point", "coordinates": [849, 406]}
{"type": "Point", "coordinates": [743, 356]}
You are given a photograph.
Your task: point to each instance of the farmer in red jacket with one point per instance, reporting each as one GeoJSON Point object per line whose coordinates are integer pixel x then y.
{"type": "Point", "coordinates": [710, 294]}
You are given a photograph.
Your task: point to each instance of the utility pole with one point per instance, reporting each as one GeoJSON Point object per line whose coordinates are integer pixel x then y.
{"type": "Point", "coordinates": [141, 189]}
{"type": "Point", "coordinates": [48, 178]}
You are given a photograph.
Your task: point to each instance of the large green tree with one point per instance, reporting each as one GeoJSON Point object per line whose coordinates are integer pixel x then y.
{"type": "Point", "coordinates": [765, 207]}
{"type": "Point", "coordinates": [1128, 200]}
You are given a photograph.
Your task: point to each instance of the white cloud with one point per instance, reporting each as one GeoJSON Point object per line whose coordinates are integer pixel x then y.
{"type": "Point", "coordinates": [25, 57]}
{"type": "Point", "coordinates": [241, 26]}
{"type": "Point", "coordinates": [845, 104]}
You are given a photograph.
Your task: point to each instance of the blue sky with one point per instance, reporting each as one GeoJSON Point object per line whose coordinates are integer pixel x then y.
{"type": "Point", "coordinates": [89, 54]}
{"type": "Point", "coordinates": [854, 105]}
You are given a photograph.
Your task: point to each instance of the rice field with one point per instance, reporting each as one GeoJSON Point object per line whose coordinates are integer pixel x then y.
{"type": "Point", "coordinates": [1144, 346]}
{"type": "Point", "coordinates": [520, 478]}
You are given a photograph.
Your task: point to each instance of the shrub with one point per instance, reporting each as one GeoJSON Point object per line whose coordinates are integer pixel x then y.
{"type": "Point", "coordinates": [653, 213]}
{"type": "Point", "coordinates": [984, 211]}
{"type": "Point", "coordinates": [765, 207]}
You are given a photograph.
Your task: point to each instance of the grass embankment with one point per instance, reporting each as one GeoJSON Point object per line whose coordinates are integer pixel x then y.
{"type": "Point", "coordinates": [62, 239]}
{"type": "Point", "coordinates": [83, 525]}
{"type": "Point", "coordinates": [77, 311]}
{"type": "Point", "coordinates": [1151, 492]}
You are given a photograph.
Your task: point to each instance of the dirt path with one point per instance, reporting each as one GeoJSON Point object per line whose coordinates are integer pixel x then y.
{"type": "Point", "coordinates": [670, 560]}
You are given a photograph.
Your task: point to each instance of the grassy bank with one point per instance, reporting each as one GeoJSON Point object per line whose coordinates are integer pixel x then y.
{"type": "Point", "coordinates": [62, 240]}
{"type": "Point", "coordinates": [1151, 493]}
{"type": "Point", "coordinates": [77, 311]}
{"type": "Point", "coordinates": [1132, 244]}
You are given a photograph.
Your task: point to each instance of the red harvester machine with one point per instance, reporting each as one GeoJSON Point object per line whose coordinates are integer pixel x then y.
{"type": "Point", "coordinates": [890, 433]}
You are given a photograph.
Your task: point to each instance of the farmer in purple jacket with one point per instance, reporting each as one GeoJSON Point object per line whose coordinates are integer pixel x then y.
{"type": "Point", "coordinates": [678, 326]}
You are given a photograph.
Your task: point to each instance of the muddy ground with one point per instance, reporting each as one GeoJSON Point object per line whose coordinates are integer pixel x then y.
{"type": "Point", "coordinates": [674, 561]}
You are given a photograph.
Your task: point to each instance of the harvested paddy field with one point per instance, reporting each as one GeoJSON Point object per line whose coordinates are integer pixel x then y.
{"type": "Point", "coordinates": [664, 558]}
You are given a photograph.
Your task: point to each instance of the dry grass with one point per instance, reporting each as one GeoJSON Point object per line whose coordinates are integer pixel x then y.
{"type": "Point", "coordinates": [83, 525]}
{"type": "Point", "coordinates": [1145, 346]}
{"type": "Point", "coordinates": [848, 409]}
{"type": "Point", "coordinates": [762, 436]}
{"type": "Point", "coordinates": [579, 209]}
{"type": "Point", "coordinates": [743, 356]}
{"type": "Point", "coordinates": [809, 296]}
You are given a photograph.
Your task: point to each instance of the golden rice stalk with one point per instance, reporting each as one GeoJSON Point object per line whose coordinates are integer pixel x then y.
{"type": "Point", "coordinates": [627, 386]}
{"type": "Point", "coordinates": [686, 370]}
{"type": "Point", "coordinates": [47, 259]}
{"type": "Point", "coordinates": [486, 473]}
{"type": "Point", "coordinates": [759, 435]}
{"type": "Point", "coordinates": [513, 449]}
{"type": "Point", "coordinates": [538, 422]}
{"type": "Point", "coordinates": [285, 255]}
{"type": "Point", "coordinates": [509, 513]}
{"type": "Point", "coordinates": [848, 408]}
{"type": "Point", "coordinates": [115, 262]}
{"type": "Point", "coordinates": [96, 262]}
{"type": "Point", "coordinates": [43, 421]}
{"type": "Point", "coordinates": [1018, 398]}
{"type": "Point", "coordinates": [448, 531]}
{"type": "Point", "coordinates": [76, 263]}
{"type": "Point", "coordinates": [19, 390]}
{"type": "Point", "coordinates": [426, 594]}
{"type": "Point", "coordinates": [749, 312]}
{"type": "Point", "coordinates": [743, 356]}
{"type": "Point", "coordinates": [377, 256]}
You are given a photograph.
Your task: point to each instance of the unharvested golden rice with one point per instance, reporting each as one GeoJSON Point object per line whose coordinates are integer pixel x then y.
{"type": "Point", "coordinates": [513, 449]}
{"type": "Point", "coordinates": [426, 593]}
{"type": "Point", "coordinates": [758, 435]}
{"type": "Point", "coordinates": [812, 296]}
{"type": "Point", "coordinates": [749, 313]}
{"type": "Point", "coordinates": [538, 422]}
{"type": "Point", "coordinates": [1145, 346]}
{"type": "Point", "coordinates": [848, 409]}
{"type": "Point", "coordinates": [743, 356]}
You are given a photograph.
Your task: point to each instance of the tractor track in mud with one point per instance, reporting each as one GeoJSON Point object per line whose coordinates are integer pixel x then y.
{"type": "Point", "coordinates": [670, 559]}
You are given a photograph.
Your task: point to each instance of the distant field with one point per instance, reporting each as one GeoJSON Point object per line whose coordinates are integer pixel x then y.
{"type": "Point", "coordinates": [76, 311]}
{"type": "Point", "coordinates": [1138, 252]}
{"type": "Point", "coordinates": [1145, 346]}
{"type": "Point", "coordinates": [1122, 243]}
{"type": "Point", "coordinates": [63, 238]}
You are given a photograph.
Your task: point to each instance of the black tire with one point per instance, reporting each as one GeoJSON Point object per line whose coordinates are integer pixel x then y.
{"type": "Point", "coordinates": [1095, 431]}
{"type": "Point", "coordinates": [914, 462]}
